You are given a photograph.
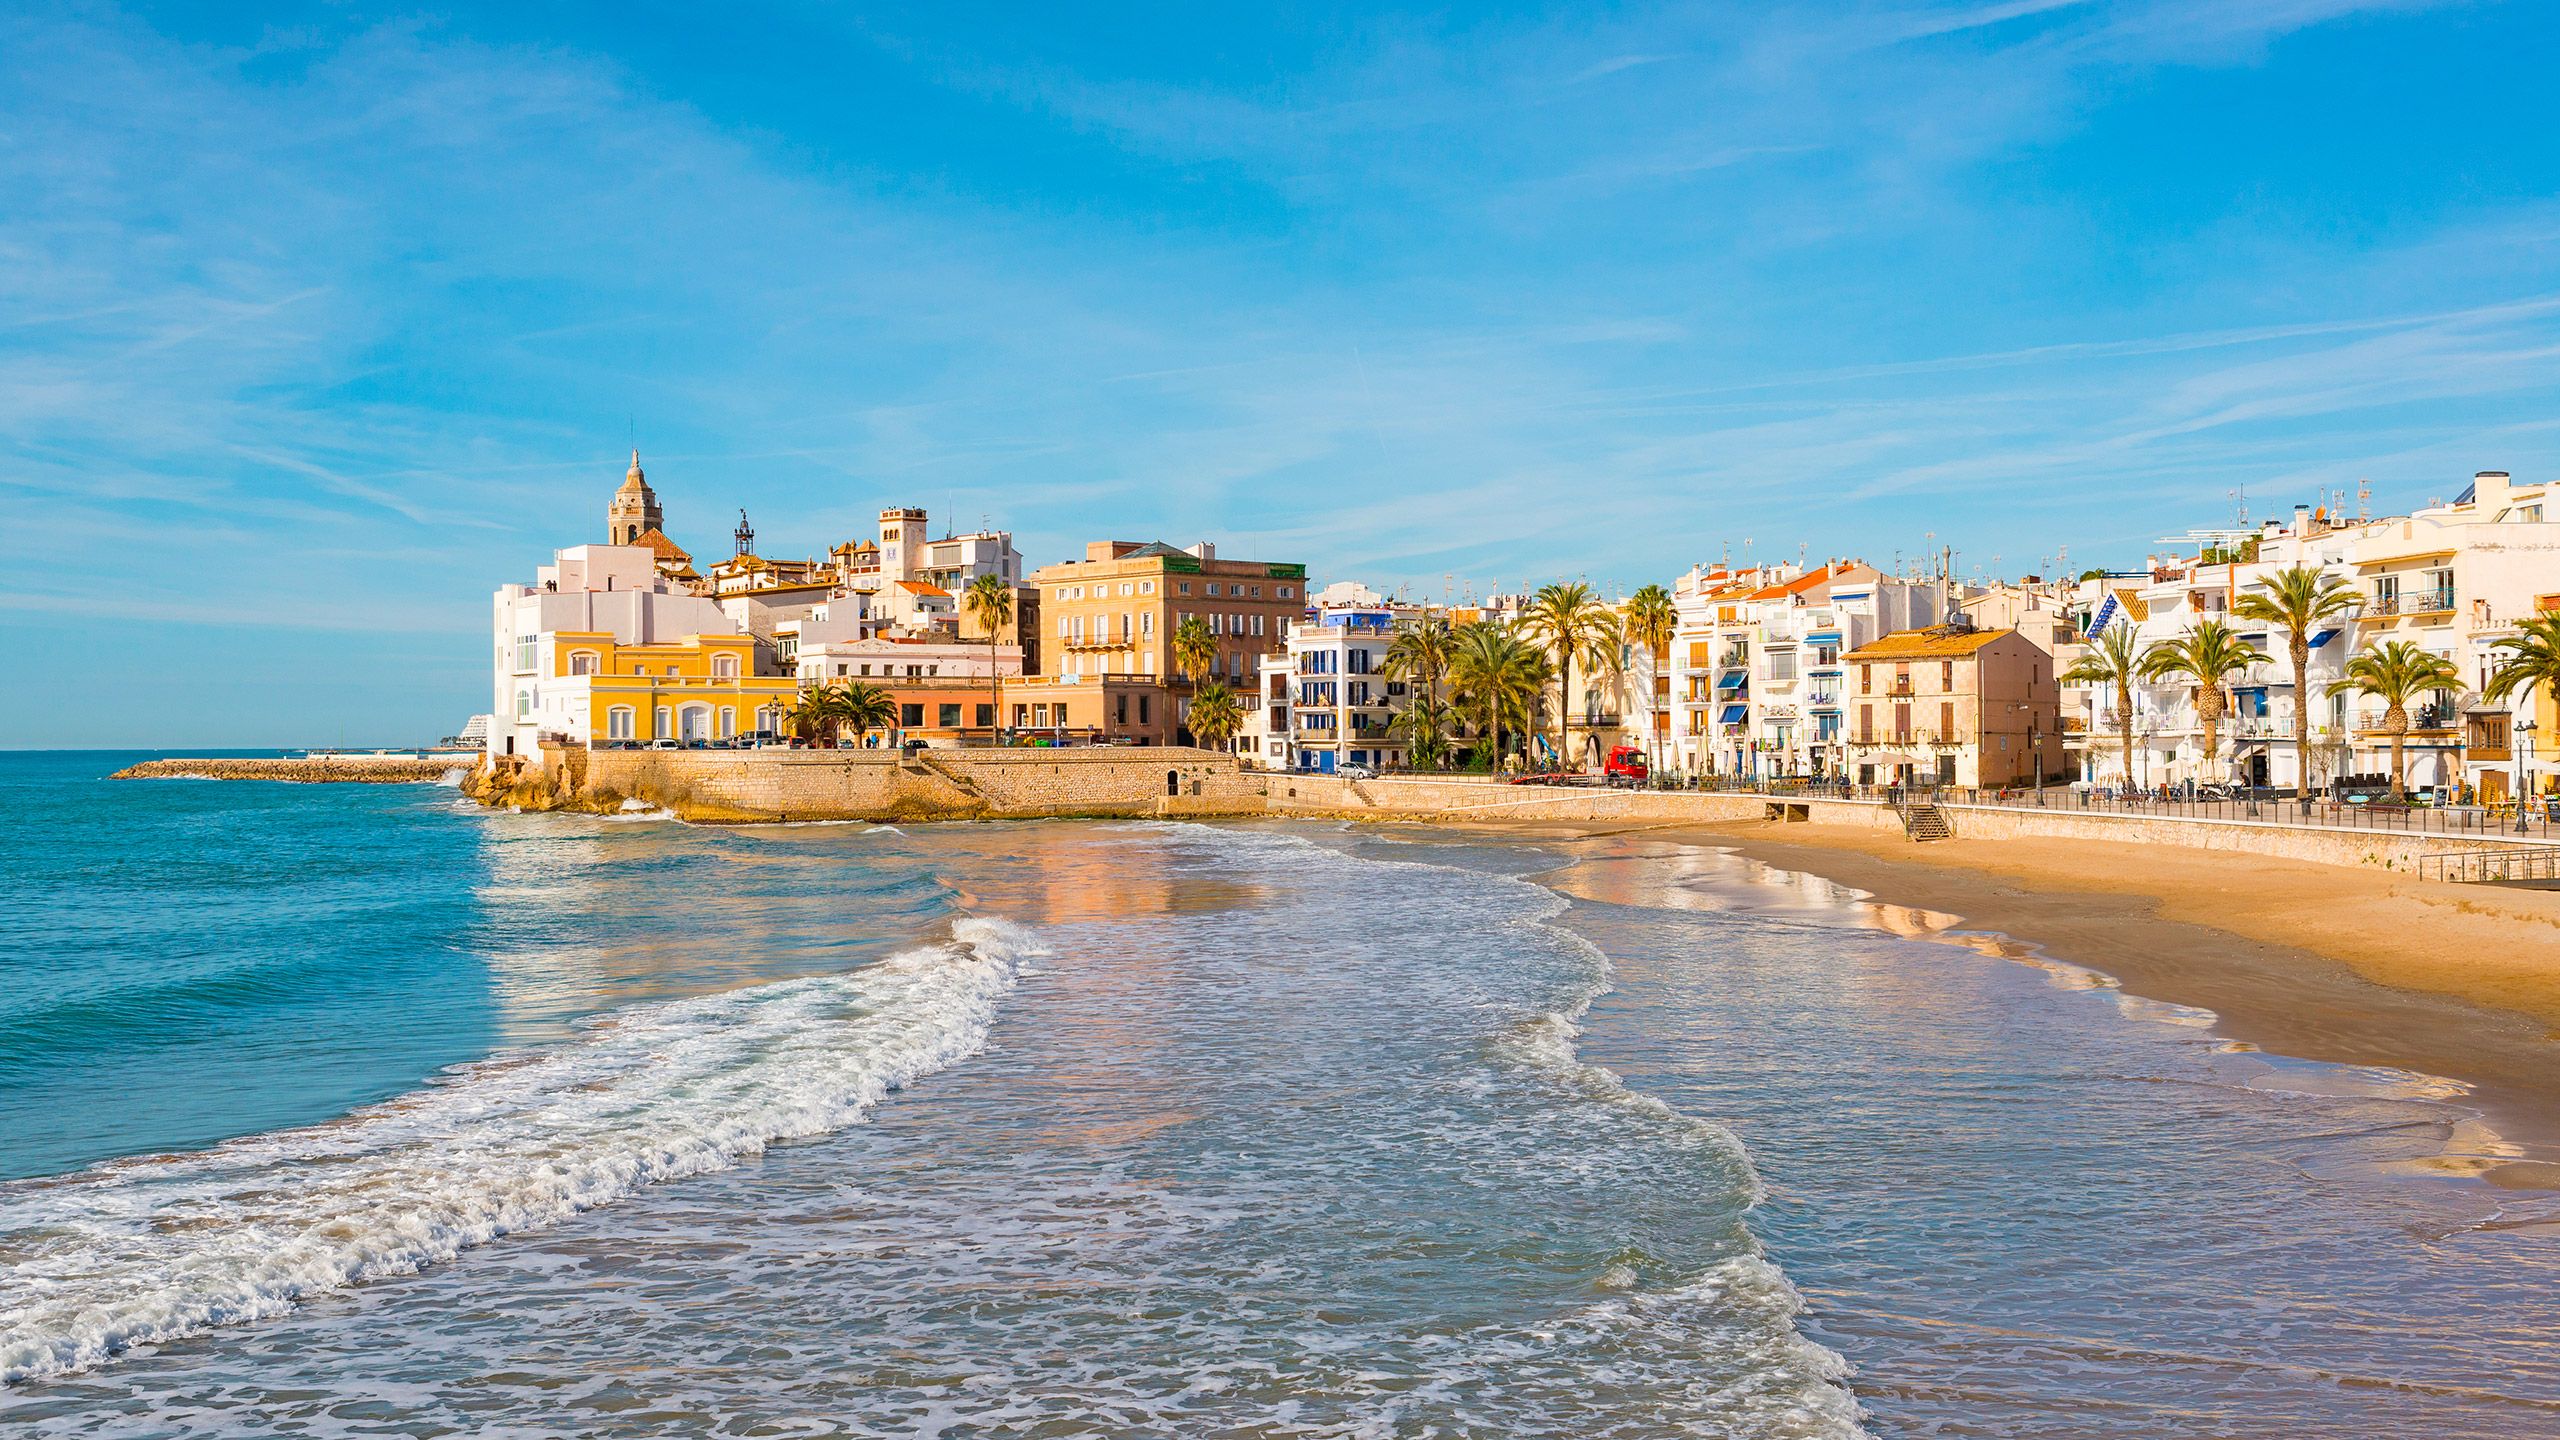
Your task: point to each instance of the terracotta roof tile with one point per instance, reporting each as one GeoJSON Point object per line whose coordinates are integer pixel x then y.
{"type": "Point", "coordinates": [1926, 644]}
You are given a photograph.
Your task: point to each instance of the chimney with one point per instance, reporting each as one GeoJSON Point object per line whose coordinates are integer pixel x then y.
{"type": "Point", "coordinates": [2301, 520]}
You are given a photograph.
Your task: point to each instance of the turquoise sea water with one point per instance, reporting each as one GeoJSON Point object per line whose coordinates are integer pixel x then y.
{"type": "Point", "coordinates": [337, 1110]}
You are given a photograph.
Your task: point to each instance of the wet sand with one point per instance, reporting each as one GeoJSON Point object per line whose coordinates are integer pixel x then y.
{"type": "Point", "coordinates": [2353, 967]}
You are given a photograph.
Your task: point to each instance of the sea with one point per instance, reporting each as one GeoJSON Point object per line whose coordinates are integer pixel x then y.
{"type": "Point", "coordinates": [343, 1110]}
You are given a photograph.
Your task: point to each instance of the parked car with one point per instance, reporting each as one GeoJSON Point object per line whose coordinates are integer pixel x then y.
{"type": "Point", "coordinates": [1357, 772]}
{"type": "Point", "coordinates": [663, 745]}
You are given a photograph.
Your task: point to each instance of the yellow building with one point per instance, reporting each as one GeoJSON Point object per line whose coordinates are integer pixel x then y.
{"type": "Point", "coordinates": [703, 687]}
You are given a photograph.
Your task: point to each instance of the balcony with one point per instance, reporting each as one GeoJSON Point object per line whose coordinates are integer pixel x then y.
{"type": "Point", "coordinates": [2431, 721]}
{"type": "Point", "coordinates": [1899, 690]}
{"type": "Point", "coordinates": [2416, 602]}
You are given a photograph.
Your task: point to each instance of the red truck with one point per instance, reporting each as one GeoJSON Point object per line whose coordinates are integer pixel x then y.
{"type": "Point", "coordinates": [1625, 766]}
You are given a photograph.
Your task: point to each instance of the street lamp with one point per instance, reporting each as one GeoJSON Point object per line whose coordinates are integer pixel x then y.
{"type": "Point", "coordinates": [2524, 788]}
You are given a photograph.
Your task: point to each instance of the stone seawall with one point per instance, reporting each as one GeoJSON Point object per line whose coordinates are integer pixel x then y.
{"type": "Point", "coordinates": [746, 786]}
{"type": "Point", "coordinates": [1483, 800]}
{"type": "Point", "coordinates": [311, 770]}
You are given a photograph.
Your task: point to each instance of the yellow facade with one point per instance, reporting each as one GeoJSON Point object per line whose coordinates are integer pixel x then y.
{"type": "Point", "coordinates": [703, 687]}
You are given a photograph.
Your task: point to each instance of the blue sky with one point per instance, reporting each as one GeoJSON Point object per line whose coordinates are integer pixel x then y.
{"type": "Point", "coordinates": [316, 325]}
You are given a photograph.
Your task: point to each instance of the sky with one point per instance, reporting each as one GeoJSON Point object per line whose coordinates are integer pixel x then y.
{"type": "Point", "coordinates": [318, 323]}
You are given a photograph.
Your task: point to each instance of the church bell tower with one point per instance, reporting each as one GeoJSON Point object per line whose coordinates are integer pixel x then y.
{"type": "Point", "coordinates": [634, 511]}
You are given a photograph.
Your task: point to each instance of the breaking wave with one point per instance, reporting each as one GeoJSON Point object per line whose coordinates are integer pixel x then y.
{"type": "Point", "coordinates": [140, 1251]}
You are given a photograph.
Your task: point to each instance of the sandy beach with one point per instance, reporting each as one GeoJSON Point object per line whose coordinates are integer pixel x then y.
{"type": "Point", "coordinates": [2316, 961]}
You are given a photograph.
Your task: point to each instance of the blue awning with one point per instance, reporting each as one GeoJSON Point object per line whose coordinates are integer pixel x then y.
{"type": "Point", "coordinates": [2322, 638]}
{"type": "Point", "coordinates": [1733, 684]}
{"type": "Point", "coordinates": [1733, 714]}
{"type": "Point", "coordinates": [1823, 637]}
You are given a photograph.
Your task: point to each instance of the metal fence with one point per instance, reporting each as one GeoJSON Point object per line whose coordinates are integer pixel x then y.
{"type": "Point", "coordinates": [2534, 865]}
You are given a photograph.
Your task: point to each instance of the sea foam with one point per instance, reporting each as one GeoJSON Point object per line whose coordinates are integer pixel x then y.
{"type": "Point", "coordinates": [146, 1250]}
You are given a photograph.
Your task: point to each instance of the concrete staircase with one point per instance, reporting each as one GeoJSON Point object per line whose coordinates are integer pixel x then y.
{"type": "Point", "coordinates": [1922, 820]}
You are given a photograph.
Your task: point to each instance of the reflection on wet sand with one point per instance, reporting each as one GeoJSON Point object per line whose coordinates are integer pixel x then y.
{"type": "Point", "coordinates": [1642, 873]}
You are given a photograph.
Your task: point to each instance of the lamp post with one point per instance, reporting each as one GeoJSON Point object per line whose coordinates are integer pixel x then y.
{"type": "Point", "coordinates": [2524, 788]}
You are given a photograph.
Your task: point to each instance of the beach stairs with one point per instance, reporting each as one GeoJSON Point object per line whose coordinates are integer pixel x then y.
{"type": "Point", "coordinates": [1922, 820]}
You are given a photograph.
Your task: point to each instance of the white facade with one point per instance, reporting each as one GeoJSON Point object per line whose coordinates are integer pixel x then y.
{"type": "Point", "coordinates": [1325, 702]}
{"type": "Point", "coordinates": [1757, 685]}
{"type": "Point", "coordinates": [2451, 579]}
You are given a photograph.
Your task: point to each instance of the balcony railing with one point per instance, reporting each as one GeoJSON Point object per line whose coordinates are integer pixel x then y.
{"type": "Point", "coordinates": [2429, 721]}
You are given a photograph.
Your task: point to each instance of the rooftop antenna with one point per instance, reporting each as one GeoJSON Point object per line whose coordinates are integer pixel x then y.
{"type": "Point", "coordinates": [2364, 499]}
{"type": "Point", "coordinates": [2239, 497]}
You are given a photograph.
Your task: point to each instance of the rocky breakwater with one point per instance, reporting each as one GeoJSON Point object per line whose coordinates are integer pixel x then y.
{"type": "Point", "coordinates": [313, 769]}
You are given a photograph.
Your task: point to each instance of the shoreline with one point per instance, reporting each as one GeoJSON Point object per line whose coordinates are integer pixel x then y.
{"type": "Point", "coordinates": [2349, 985]}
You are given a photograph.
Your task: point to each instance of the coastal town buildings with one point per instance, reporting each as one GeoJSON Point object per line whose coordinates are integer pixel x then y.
{"type": "Point", "coordinates": [2451, 579]}
{"type": "Point", "coordinates": [629, 640]}
{"type": "Point", "coordinates": [1757, 669]}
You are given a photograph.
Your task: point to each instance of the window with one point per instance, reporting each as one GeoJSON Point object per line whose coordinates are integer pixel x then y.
{"type": "Point", "coordinates": [1284, 592]}
{"type": "Point", "coordinates": [1120, 710]}
{"type": "Point", "coordinates": [1147, 623]}
{"type": "Point", "coordinates": [1146, 587]}
{"type": "Point", "coordinates": [1866, 679]}
{"type": "Point", "coordinates": [1182, 587]}
{"type": "Point", "coordinates": [724, 667]}
{"type": "Point", "coordinates": [665, 730]}
{"type": "Point", "coordinates": [1946, 674]}
{"type": "Point", "coordinates": [1257, 627]}
{"type": "Point", "coordinates": [1213, 587]}
{"type": "Point", "coordinates": [524, 704]}
{"type": "Point", "coordinates": [911, 715]}
{"type": "Point", "coordinates": [986, 714]}
{"type": "Point", "coordinates": [947, 715]}
{"type": "Point", "coordinates": [582, 662]}
{"type": "Point", "coordinates": [1142, 710]}
{"type": "Point", "coordinates": [1125, 588]}
{"type": "Point", "coordinates": [1946, 719]}
{"type": "Point", "coordinates": [728, 722]}
{"type": "Point", "coordinates": [1257, 592]}
{"type": "Point", "coordinates": [618, 722]}
{"type": "Point", "coordinates": [524, 654]}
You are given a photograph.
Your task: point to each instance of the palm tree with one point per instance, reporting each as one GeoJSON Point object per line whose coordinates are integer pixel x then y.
{"type": "Point", "coordinates": [814, 714]}
{"type": "Point", "coordinates": [1500, 678]}
{"type": "Point", "coordinates": [864, 706]}
{"type": "Point", "coordinates": [2112, 661]}
{"type": "Point", "coordinates": [1424, 724]}
{"type": "Point", "coordinates": [2533, 663]}
{"type": "Point", "coordinates": [1194, 648]}
{"type": "Point", "coordinates": [1215, 716]}
{"type": "Point", "coordinates": [1569, 620]}
{"type": "Point", "coordinates": [1651, 617]}
{"type": "Point", "coordinates": [2302, 599]}
{"type": "Point", "coordinates": [1419, 655]}
{"type": "Point", "coordinates": [2207, 656]}
{"type": "Point", "coordinates": [2396, 672]}
{"type": "Point", "coordinates": [989, 601]}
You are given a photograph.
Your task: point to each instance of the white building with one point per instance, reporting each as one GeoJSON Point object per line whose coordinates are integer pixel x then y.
{"type": "Point", "coordinates": [2451, 579]}
{"type": "Point", "coordinates": [1325, 701]}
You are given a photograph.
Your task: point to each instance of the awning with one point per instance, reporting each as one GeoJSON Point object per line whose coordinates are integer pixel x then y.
{"type": "Point", "coordinates": [1733, 714]}
{"type": "Point", "coordinates": [2322, 637]}
{"type": "Point", "coordinates": [1885, 757]}
{"type": "Point", "coordinates": [1823, 637]}
{"type": "Point", "coordinates": [1732, 684]}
